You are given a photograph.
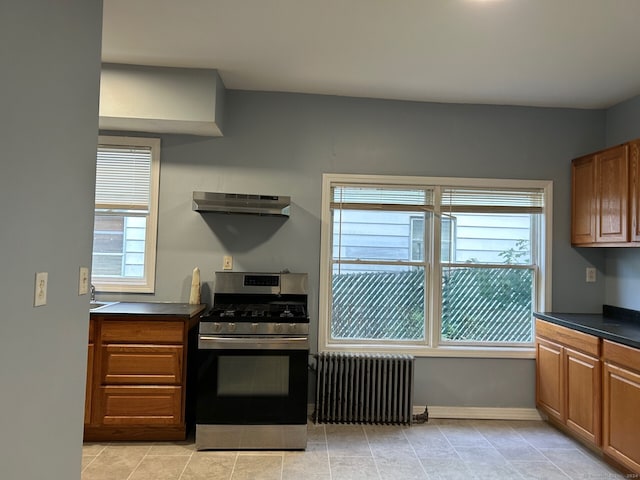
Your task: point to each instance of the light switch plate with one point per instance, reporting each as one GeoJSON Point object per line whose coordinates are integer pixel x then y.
{"type": "Point", "coordinates": [40, 293]}
{"type": "Point", "coordinates": [591, 275]}
{"type": "Point", "coordinates": [83, 281]}
{"type": "Point", "coordinates": [227, 262]}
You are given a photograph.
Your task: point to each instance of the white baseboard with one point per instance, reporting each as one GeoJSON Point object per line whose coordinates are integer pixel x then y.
{"type": "Point", "coordinates": [480, 413]}
{"type": "Point", "coordinates": [472, 413]}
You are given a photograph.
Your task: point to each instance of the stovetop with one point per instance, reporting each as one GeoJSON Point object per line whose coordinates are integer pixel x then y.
{"type": "Point", "coordinates": [258, 313]}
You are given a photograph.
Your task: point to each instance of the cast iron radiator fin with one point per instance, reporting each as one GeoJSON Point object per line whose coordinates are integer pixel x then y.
{"type": "Point", "coordinates": [364, 388]}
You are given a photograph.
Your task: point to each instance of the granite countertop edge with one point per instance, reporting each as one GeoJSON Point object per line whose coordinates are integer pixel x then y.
{"type": "Point", "coordinates": [615, 324]}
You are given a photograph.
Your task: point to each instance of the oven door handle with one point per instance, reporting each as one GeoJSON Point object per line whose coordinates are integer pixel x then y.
{"type": "Point", "coordinates": [212, 342]}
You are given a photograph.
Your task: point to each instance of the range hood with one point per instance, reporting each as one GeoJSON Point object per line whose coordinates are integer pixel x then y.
{"type": "Point", "coordinates": [272, 205]}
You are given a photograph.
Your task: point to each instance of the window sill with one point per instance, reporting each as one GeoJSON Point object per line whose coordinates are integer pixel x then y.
{"type": "Point", "coordinates": [528, 352]}
{"type": "Point", "coordinates": [123, 288]}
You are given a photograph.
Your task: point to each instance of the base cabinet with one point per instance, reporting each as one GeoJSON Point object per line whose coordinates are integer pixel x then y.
{"type": "Point", "coordinates": [88, 388]}
{"type": "Point", "coordinates": [568, 379]}
{"type": "Point", "coordinates": [137, 388]}
{"type": "Point", "coordinates": [590, 387]}
{"type": "Point", "coordinates": [621, 419]}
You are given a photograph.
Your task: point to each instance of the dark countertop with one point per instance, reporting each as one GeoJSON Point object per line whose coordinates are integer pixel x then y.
{"type": "Point", "coordinates": [615, 324]}
{"type": "Point", "coordinates": [184, 310]}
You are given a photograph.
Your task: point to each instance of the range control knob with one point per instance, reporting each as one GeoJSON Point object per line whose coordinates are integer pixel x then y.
{"type": "Point", "coordinates": [292, 328]}
{"type": "Point", "coordinates": [277, 328]}
{"type": "Point", "coordinates": [231, 327]}
{"type": "Point", "coordinates": [216, 327]}
{"type": "Point", "coordinates": [254, 328]}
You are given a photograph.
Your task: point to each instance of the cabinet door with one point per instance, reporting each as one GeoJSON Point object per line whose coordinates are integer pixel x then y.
{"type": "Point", "coordinates": [550, 378]}
{"type": "Point", "coordinates": [622, 415]}
{"type": "Point", "coordinates": [89, 385]}
{"type": "Point", "coordinates": [88, 394]}
{"type": "Point", "coordinates": [583, 200]}
{"type": "Point", "coordinates": [583, 388]}
{"type": "Point", "coordinates": [634, 194]}
{"type": "Point", "coordinates": [612, 193]}
{"type": "Point", "coordinates": [621, 404]}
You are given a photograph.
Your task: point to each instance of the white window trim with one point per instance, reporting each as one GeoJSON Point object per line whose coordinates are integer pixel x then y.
{"type": "Point", "coordinates": [147, 283]}
{"type": "Point", "coordinates": [431, 347]}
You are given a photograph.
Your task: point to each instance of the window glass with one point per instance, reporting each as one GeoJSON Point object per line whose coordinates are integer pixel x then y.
{"type": "Point", "coordinates": [431, 264]}
{"type": "Point", "coordinates": [378, 263]}
{"type": "Point", "coordinates": [124, 241]}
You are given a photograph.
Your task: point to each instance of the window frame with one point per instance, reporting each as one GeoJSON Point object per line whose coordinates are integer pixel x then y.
{"type": "Point", "coordinates": [146, 284]}
{"type": "Point", "coordinates": [432, 347]}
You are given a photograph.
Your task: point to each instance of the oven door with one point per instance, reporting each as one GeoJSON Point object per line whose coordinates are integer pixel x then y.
{"type": "Point", "coordinates": [239, 384]}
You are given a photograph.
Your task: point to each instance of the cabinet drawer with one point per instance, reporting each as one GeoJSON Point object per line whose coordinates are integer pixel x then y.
{"type": "Point", "coordinates": [142, 364]}
{"type": "Point", "coordinates": [621, 354]}
{"type": "Point", "coordinates": [143, 405]}
{"type": "Point", "coordinates": [132, 331]}
{"type": "Point", "coordinates": [580, 341]}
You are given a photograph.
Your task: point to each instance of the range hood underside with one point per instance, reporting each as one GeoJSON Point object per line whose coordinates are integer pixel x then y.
{"type": "Point", "coordinates": [270, 205]}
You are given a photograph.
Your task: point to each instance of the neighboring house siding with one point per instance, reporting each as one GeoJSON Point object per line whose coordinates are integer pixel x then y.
{"type": "Point", "coordinates": [361, 239]}
{"type": "Point", "coordinates": [473, 241]}
{"type": "Point", "coordinates": [484, 243]}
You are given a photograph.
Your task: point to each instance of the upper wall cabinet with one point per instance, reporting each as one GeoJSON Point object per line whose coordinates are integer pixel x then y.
{"type": "Point", "coordinates": [605, 202]}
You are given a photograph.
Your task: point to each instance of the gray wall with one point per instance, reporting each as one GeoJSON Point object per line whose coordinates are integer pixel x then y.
{"type": "Point", "coordinates": [51, 65]}
{"type": "Point", "coordinates": [282, 143]}
{"type": "Point", "coordinates": [622, 267]}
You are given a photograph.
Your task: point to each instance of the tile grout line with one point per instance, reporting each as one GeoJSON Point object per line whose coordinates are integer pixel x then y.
{"type": "Point", "coordinates": [366, 437]}
{"type": "Point", "coordinates": [186, 465]}
{"type": "Point", "coordinates": [326, 442]}
{"type": "Point", "coordinates": [509, 462]}
{"type": "Point", "coordinates": [141, 460]}
{"type": "Point", "coordinates": [93, 459]}
{"type": "Point", "coordinates": [547, 459]}
{"type": "Point", "coordinates": [404, 433]}
{"type": "Point", "coordinates": [87, 465]}
{"type": "Point", "coordinates": [235, 463]}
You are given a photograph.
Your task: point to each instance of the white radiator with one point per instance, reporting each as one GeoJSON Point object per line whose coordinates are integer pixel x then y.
{"type": "Point", "coordinates": [364, 388]}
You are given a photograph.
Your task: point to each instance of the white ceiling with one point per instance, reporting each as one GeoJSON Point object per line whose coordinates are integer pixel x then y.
{"type": "Point", "coordinates": [561, 53]}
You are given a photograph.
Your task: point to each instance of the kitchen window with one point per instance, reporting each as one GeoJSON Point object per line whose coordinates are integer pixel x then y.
{"type": "Point", "coordinates": [126, 211]}
{"type": "Point", "coordinates": [434, 266]}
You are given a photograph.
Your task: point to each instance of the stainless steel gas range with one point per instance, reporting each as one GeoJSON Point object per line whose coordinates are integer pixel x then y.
{"type": "Point", "coordinates": [253, 349]}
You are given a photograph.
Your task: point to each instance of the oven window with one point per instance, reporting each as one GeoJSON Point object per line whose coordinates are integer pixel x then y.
{"type": "Point", "coordinates": [241, 375]}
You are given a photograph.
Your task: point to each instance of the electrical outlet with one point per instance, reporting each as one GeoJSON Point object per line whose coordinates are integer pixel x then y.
{"type": "Point", "coordinates": [83, 281]}
{"type": "Point", "coordinates": [40, 294]}
{"type": "Point", "coordinates": [591, 275]}
{"type": "Point", "coordinates": [227, 262]}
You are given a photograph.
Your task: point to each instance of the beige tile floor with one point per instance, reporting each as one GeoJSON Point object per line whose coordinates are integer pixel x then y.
{"type": "Point", "coordinates": [439, 449]}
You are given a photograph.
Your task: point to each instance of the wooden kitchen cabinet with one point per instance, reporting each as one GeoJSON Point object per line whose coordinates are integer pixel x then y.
{"type": "Point", "coordinates": [90, 361]}
{"type": "Point", "coordinates": [550, 378]}
{"type": "Point", "coordinates": [634, 194]}
{"type": "Point", "coordinates": [583, 200]}
{"type": "Point", "coordinates": [568, 379]}
{"type": "Point", "coordinates": [621, 404]}
{"type": "Point", "coordinates": [139, 385]}
{"type": "Point", "coordinates": [605, 197]}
